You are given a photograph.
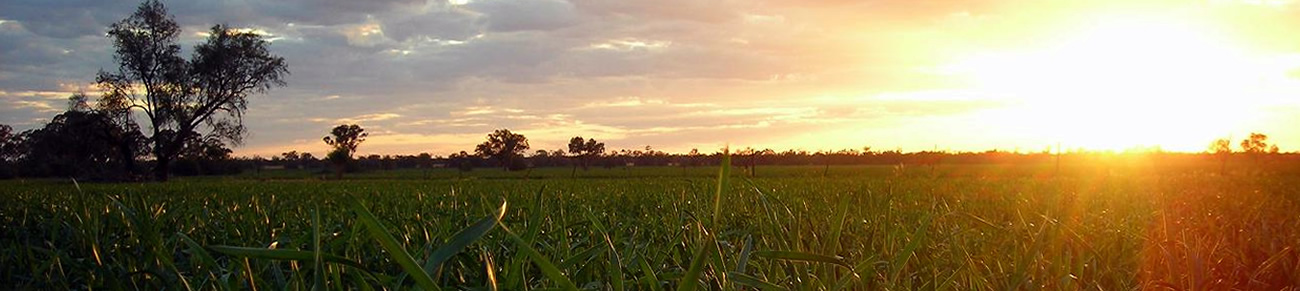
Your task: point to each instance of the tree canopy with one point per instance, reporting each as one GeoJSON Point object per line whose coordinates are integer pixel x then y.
{"type": "Point", "coordinates": [505, 147]}
{"type": "Point", "coordinates": [346, 137]}
{"type": "Point", "coordinates": [206, 95]}
{"type": "Point", "coordinates": [82, 142]}
{"type": "Point", "coordinates": [1257, 143]}
{"type": "Point", "coordinates": [585, 150]}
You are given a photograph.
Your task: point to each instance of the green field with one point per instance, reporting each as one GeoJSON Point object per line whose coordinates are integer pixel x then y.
{"type": "Point", "coordinates": [804, 228]}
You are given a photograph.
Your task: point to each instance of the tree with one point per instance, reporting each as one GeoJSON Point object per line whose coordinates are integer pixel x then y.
{"type": "Point", "coordinates": [116, 127]}
{"type": "Point", "coordinates": [9, 151]}
{"type": "Point", "coordinates": [462, 161]}
{"type": "Point", "coordinates": [204, 155]}
{"type": "Point", "coordinates": [8, 144]}
{"type": "Point", "coordinates": [1257, 143]}
{"type": "Point", "coordinates": [83, 142]}
{"type": "Point", "coordinates": [1222, 148]}
{"type": "Point", "coordinates": [584, 151]}
{"type": "Point", "coordinates": [80, 142]}
{"type": "Point", "coordinates": [345, 139]}
{"type": "Point", "coordinates": [206, 95]}
{"type": "Point", "coordinates": [505, 147]}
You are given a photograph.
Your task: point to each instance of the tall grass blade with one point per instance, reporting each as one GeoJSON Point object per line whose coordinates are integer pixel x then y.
{"type": "Point", "coordinates": [515, 271]}
{"type": "Point", "coordinates": [650, 274]}
{"type": "Point", "coordinates": [724, 174]}
{"type": "Point", "coordinates": [284, 255]}
{"type": "Point", "coordinates": [394, 249]}
{"type": "Point", "coordinates": [615, 264]}
{"type": "Point", "coordinates": [914, 242]}
{"type": "Point", "coordinates": [837, 226]}
{"type": "Point", "coordinates": [490, 268]}
{"type": "Point", "coordinates": [803, 257]}
{"type": "Point", "coordinates": [751, 281]}
{"type": "Point", "coordinates": [462, 239]}
{"type": "Point", "coordinates": [745, 252]}
{"type": "Point", "coordinates": [691, 280]}
{"type": "Point", "coordinates": [541, 261]}
{"type": "Point", "coordinates": [318, 264]}
{"type": "Point", "coordinates": [205, 259]}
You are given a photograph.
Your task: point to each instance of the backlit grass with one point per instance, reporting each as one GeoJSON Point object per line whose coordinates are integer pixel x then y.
{"type": "Point", "coordinates": [899, 232]}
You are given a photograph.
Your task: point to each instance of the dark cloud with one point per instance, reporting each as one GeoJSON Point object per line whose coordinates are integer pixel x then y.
{"type": "Point", "coordinates": [442, 22]}
{"type": "Point", "coordinates": [66, 19]}
{"type": "Point", "coordinates": [665, 10]}
{"type": "Point", "coordinates": [523, 15]}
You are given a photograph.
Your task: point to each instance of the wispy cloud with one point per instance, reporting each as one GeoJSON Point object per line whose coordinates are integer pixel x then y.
{"type": "Point", "coordinates": [438, 75]}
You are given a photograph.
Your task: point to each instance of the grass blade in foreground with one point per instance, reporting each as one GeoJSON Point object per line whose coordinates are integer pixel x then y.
{"type": "Point", "coordinates": [691, 280]}
{"type": "Point", "coordinates": [318, 265]}
{"type": "Point", "coordinates": [751, 281]}
{"type": "Point", "coordinates": [801, 256]}
{"type": "Point", "coordinates": [462, 239]}
{"type": "Point", "coordinates": [394, 248]}
{"type": "Point", "coordinates": [724, 173]}
{"type": "Point", "coordinates": [615, 264]}
{"type": "Point", "coordinates": [289, 255]}
{"type": "Point", "coordinates": [541, 261]}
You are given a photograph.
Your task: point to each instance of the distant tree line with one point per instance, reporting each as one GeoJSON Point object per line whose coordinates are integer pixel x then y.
{"type": "Point", "coordinates": [510, 151]}
{"type": "Point", "coordinates": [80, 143]}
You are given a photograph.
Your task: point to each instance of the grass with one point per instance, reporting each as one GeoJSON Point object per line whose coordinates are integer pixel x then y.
{"type": "Point", "coordinates": [965, 228]}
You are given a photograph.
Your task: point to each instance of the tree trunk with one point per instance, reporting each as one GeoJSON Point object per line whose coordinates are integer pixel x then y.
{"type": "Point", "coordinates": [128, 159]}
{"type": "Point", "coordinates": [160, 170]}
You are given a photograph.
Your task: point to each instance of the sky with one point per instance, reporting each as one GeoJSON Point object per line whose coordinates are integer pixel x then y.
{"type": "Point", "coordinates": [437, 76]}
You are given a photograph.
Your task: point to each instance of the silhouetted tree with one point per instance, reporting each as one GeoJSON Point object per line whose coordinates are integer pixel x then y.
{"type": "Point", "coordinates": [80, 142]}
{"type": "Point", "coordinates": [1222, 148]}
{"type": "Point", "coordinates": [424, 160]}
{"type": "Point", "coordinates": [462, 161]}
{"type": "Point", "coordinates": [206, 94]}
{"type": "Point", "coordinates": [584, 151]}
{"type": "Point", "coordinates": [9, 153]}
{"type": "Point", "coordinates": [292, 159]}
{"type": "Point", "coordinates": [119, 129]}
{"type": "Point", "coordinates": [505, 147]}
{"type": "Point", "coordinates": [8, 143]}
{"type": "Point", "coordinates": [204, 155]}
{"type": "Point", "coordinates": [1256, 144]}
{"type": "Point", "coordinates": [345, 139]}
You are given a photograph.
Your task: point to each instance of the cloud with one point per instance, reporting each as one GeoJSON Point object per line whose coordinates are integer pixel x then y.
{"type": "Point", "coordinates": [38, 106]}
{"type": "Point", "coordinates": [368, 118]}
{"type": "Point", "coordinates": [437, 76]}
{"type": "Point", "coordinates": [525, 15]}
{"type": "Point", "coordinates": [446, 23]}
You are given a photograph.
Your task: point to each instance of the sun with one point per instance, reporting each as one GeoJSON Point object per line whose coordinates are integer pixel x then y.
{"type": "Point", "coordinates": [1125, 81]}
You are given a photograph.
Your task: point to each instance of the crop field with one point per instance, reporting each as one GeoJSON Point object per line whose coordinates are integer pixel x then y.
{"type": "Point", "coordinates": [799, 228]}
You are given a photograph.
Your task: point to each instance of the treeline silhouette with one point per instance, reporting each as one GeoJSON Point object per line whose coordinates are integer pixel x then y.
{"type": "Point", "coordinates": [87, 144]}
{"type": "Point", "coordinates": [94, 143]}
{"type": "Point", "coordinates": [749, 159]}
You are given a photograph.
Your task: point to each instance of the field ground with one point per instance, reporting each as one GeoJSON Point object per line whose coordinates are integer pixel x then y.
{"type": "Point", "coordinates": [975, 227]}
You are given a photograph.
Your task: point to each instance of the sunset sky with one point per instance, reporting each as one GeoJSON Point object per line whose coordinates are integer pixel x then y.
{"type": "Point", "coordinates": [436, 77]}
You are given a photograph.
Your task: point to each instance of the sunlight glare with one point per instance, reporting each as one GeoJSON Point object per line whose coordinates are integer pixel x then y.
{"type": "Point", "coordinates": [1126, 82]}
